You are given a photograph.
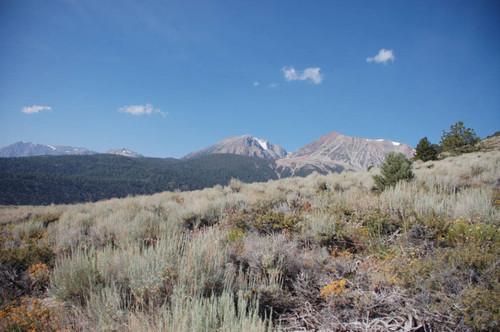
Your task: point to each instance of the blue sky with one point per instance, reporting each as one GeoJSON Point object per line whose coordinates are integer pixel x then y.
{"type": "Point", "coordinates": [165, 78]}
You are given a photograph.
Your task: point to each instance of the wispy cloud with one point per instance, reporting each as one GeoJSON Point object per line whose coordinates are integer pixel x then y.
{"type": "Point", "coordinates": [273, 85]}
{"type": "Point", "coordinates": [35, 109]}
{"type": "Point", "coordinates": [311, 74]}
{"type": "Point", "coordinates": [147, 109]}
{"type": "Point", "coordinates": [383, 56]}
{"type": "Point", "coordinates": [256, 83]}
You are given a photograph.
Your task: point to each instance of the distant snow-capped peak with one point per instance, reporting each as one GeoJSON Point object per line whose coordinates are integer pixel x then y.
{"type": "Point", "coordinates": [124, 152]}
{"type": "Point", "coordinates": [26, 149]}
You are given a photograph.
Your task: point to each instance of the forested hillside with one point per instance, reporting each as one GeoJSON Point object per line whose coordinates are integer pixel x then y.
{"type": "Point", "coordinates": [70, 179]}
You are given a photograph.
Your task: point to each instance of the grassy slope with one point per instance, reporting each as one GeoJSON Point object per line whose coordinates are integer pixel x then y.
{"type": "Point", "coordinates": [322, 252]}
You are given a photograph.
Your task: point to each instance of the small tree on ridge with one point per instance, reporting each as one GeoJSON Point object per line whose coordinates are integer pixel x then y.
{"type": "Point", "coordinates": [459, 139]}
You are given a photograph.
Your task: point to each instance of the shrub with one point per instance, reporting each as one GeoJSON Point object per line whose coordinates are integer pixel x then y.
{"type": "Point", "coordinates": [481, 309]}
{"type": "Point", "coordinates": [39, 274]}
{"type": "Point", "coordinates": [334, 289]}
{"type": "Point", "coordinates": [276, 222]}
{"type": "Point", "coordinates": [395, 168]}
{"type": "Point", "coordinates": [235, 185]}
{"type": "Point", "coordinates": [29, 232]}
{"type": "Point", "coordinates": [325, 228]}
{"type": "Point", "coordinates": [226, 312]}
{"type": "Point", "coordinates": [236, 234]}
{"type": "Point", "coordinates": [202, 265]}
{"type": "Point", "coordinates": [475, 233]}
{"type": "Point", "coordinates": [458, 283]}
{"type": "Point", "coordinates": [22, 258]}
{"type": "Point", "coordinates": [272, 255]}
{"type": "Point", "coordinates": [31, 314]}
{"type": "Point", "coordinates": [378, 223]}
{"type": "Point", "coordinates": [75, 276]}
{"type": "Point", "coordinates": [107, 308]}
{"type": "Point", "coordinates": [321, 186]}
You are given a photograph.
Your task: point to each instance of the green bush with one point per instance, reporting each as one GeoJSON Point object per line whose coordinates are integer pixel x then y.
{"type": "Point", "coordinates": [459, 283]}
{"type": "Point", "coordinates": [395, 168]}
{"type": "Point", "coordinates": [18, 272]}
{"type": "Point", "coordinates": [236, 234]}
{"type": "Point", "coordinates": [481, 309]}
{"type": "Point", "coordinates": [22, 258]}
{"type": "Point", "coordinates": [273, 222]}
{"type": "Point", "coordinates": [474, 233]}
{"type": "Point", "coordinates": [378, 223]}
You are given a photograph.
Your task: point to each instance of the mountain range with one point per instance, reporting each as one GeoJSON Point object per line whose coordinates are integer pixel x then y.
{"type": "Point", "coordinates": [30, 149]}
{"type": "Point", "coordinates": [333, 152]}
{"type": "Point", "coordinates": [61, 174]}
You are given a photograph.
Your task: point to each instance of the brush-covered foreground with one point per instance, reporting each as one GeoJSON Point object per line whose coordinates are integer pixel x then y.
{"type": "Point", "coordinates": [323, 253]}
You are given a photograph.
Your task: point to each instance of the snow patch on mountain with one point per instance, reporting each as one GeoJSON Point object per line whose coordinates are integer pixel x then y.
{"type": "Point", "coordinates": [262, 143]}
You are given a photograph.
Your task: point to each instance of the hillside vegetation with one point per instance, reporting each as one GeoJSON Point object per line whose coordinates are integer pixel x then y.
{"type": "Point", "coordinates": [73, 179]}
{"type": "Point", "coordinates": [324, 252]}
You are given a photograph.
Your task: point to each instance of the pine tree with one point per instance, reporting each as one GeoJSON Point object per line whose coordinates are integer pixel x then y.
{"type": "Point", "coordinates": [396, 167]}
{"type": "Point", "coordinates": [459, 139]}
{"type": "Point", "coordinates": [426, 151]}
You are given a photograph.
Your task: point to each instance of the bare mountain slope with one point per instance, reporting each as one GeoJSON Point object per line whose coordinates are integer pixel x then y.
{"type": "Point", "coordinates": [245, 145]}
{"type": "Point", "coordinates": [335, 152]}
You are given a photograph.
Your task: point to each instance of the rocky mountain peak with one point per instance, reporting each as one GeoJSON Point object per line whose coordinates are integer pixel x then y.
{"type": "Point", "coordinates": [337, 152]}
{"type": "Point", "coordinates": [246, 145]}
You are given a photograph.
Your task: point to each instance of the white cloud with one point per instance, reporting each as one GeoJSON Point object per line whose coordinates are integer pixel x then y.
{"type": "Point", "coordinates": [290, 74]}
{"type": "Point", "coordinates": [35, 109]}
{"type": "Point", "coordinates": [141, 109]}
{"type": "Point", "coordinates": [312, 74]}
{"type": "Point", "coordinates": [256, 83]}
{"type": "Point", "coordinates": [383, 56]}
{"type": "Point", "coordinates": [273, 85]}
